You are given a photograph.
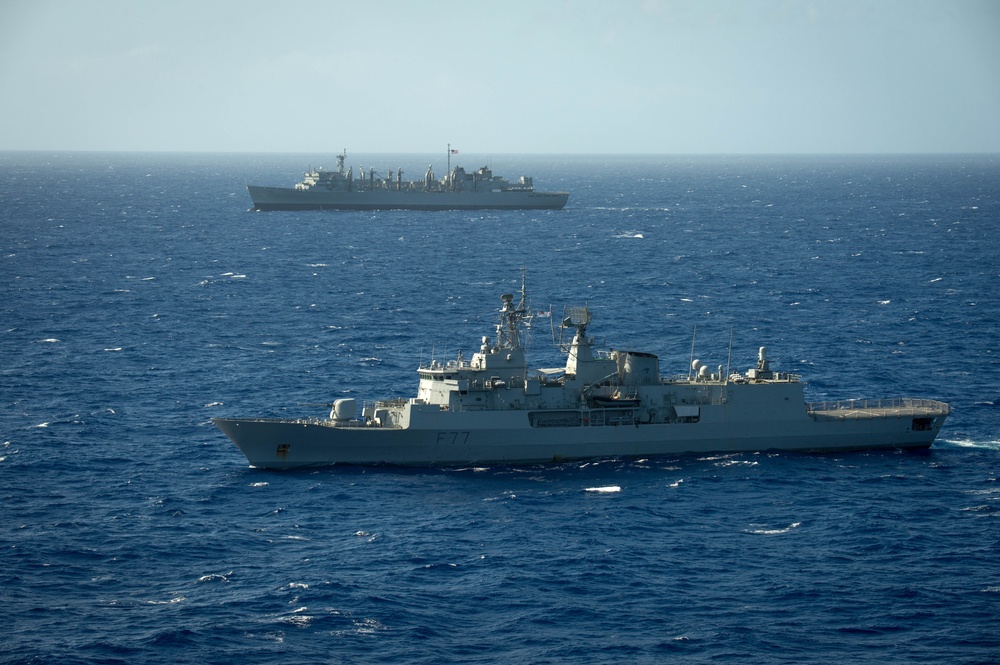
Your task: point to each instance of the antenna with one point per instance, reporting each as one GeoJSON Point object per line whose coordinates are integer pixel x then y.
{"type": "Point", "coordinates": [522, 306]}
{"type": "Point", "coordinates": [691, 361]}
{"type": "Point", "coordinates": [730, 361]}
{"type": "Point", "coordinates": [514, 319]}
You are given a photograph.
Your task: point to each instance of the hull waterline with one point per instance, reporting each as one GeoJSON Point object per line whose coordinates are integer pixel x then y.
{"type": "Point", "coordinates": [278, 199]}
{"type": "Point", "coordinates": [290, 444]}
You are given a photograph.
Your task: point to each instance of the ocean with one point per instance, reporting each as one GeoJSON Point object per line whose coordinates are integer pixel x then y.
{"type": "Point", "coordinates": [141, 297]}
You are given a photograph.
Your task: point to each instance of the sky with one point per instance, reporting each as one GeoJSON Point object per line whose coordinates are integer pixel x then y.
{"type": "Point", "coordinates": [515, 76]}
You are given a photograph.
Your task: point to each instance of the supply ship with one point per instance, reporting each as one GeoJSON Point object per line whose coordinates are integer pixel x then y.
{"type": "Point", "coordinates": [458, 190]}
{"type": "Point", "coordinates": [493, 409]}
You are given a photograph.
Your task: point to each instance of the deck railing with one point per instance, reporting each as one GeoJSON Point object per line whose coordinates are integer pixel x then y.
{"type": "Point", "coordinates": [880, 404]}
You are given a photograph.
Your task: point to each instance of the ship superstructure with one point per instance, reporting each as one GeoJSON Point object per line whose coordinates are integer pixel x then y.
{"type": "Point", "coordinates": [321, 189]}
{"type": "Point", "coordinates": [493, 409]}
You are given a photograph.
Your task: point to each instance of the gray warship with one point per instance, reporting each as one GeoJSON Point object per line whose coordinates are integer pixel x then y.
{"type": "Point", "coordinates": [492, 409]}
{"type": "Point", "coordinates": [458, 190]}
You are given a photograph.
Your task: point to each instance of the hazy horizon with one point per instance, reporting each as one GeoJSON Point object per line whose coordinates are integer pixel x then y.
{"type": "Point", "coordinates": [644, 77]}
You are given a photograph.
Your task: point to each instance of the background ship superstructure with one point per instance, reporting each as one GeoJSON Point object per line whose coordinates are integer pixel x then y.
{"type": "Point", "coordinates": [459, 189]}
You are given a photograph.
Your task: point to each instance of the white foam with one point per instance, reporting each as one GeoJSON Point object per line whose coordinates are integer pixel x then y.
{"type": "Point", "coordinates": [772, 532]}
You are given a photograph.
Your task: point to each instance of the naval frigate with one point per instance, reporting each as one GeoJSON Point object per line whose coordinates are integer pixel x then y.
{"type": "Point", "coordinates": [493, 409]}
{"type": "Point", "coordinates": [321, 189]}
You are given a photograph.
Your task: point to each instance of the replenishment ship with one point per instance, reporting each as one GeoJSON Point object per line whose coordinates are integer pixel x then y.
{"type": "Point", "coordinates": [458, 190]}
{"type": "Point", "coordinates": [492, 409]}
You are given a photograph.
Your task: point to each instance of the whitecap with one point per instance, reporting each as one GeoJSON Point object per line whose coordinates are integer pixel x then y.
{"type": "Point", "coordinates": [503, 497]}
{"type": "Point", "coordinates": [113, 350]}
{"type": "Point", "coordinates": [211, 404]}
{"type": "Point", "coordinates": [987, 491]}
{"type": "Point", "coordinates": [172, 601]}
{"type": "Point", "coordinates": [299, 620]}
{"type": "Point", "coordinates": [736, 462]}
{"type": "Point", "coordinates": [604, 490]}
{"type": "Point", "coordinates": [713, 458]}
{"type": "Point", "coordinates": [259, 484]}
{"type": "Point", "coordinates": [762, 531]}
{"type": "Point", "coordinates": [49, 340]}
{"type": "Point", "coordinates": [969, 443]}
{"type": "Point", "coordinates": [884, 302]}
{"type": "Point", "coordinates": [368, 626]}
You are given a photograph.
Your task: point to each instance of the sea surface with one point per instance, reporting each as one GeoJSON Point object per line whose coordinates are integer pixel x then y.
{"type": "Point", "coordinates": [140, 297]}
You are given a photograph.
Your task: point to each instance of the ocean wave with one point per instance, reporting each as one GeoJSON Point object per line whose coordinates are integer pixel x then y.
{"type": "Point", "coordinates": [969, 443]}
{"type": "Point", "coordinates": [144, 536]}
{"type": "Point", "coordinates": [765, 530]}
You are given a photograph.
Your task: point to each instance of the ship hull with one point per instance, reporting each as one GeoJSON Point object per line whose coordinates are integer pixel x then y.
{"type": "Point", "coordinates": [284, 198]}
{"type": "Point", "coordinates": [271, 443]}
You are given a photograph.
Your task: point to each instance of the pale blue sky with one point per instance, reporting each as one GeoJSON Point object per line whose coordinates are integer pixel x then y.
{"type": "Point", "coordinates": [515, 76]}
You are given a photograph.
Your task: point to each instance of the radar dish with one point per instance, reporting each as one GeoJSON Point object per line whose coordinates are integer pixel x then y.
{"type": "Point", "coordinates": [576, 317]}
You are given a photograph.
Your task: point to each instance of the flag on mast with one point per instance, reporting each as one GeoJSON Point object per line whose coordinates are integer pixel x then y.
{"type": "Point", "coordinates": [454, 152]}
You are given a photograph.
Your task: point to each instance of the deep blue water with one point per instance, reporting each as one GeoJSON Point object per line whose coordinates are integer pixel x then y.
{"type": "Point", "coordinates": [140, 298]}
